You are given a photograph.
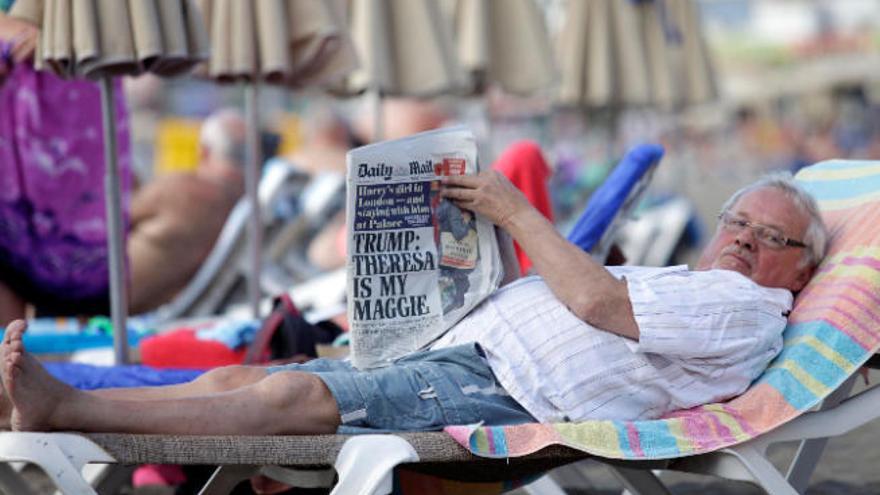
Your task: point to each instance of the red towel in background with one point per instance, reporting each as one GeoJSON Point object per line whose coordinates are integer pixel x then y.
{"type": "Point", "coordinates": [524, 164]}
{"type": "Point", "coordinates": [183, 349]}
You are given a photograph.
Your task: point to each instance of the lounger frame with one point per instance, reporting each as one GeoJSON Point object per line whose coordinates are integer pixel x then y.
{"type": "Point", "coordinates": [364, 464]}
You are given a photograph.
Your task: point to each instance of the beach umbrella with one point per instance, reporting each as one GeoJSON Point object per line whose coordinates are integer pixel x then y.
{"type": "Point", "coordinates": [505, 43]}
{"type": "Point", "coordinates": [502, 44]}
{"type": "Point", "coordinates": [405, 49]}
{"type": "Point", "coordinates": [616, 54]}
{"type": "Point", "coordinates": [692, 74]}
{"type": "Point", "coordinates": [601, 59]}
{"type": "Point", "coordinates": [100, 39]}
{"type": "Point", "coordinates": [295, 43]}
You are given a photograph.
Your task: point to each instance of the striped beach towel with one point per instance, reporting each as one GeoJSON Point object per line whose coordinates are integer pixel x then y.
{"type": "Point", "coordinates": [832, 331]}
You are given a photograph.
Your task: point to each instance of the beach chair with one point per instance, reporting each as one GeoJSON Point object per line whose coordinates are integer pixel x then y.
{"type": "Point", "coordinates": [212, 285]}
{"type": "Point", "coordinates": [286, 254]}
{"type": "Point", "coordinates": [832, 331]}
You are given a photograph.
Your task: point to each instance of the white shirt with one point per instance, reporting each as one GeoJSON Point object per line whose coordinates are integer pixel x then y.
{"type": "Point", "coordinates": [703, 337]}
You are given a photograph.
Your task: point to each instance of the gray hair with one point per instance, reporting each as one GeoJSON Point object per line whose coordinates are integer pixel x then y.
{"type": "Point", "coordinates": [219, 137]}
{"type": "Point", "coordinates": [816, 236]}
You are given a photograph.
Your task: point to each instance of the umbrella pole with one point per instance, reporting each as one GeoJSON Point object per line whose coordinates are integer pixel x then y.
{"type": "Point", "coordinates": [252, 181]}
{"type": "Point", "coordinates": [115, 234]}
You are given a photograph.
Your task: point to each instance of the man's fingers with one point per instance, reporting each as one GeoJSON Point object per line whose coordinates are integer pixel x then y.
{"type": "Point", "coordinates": [461, 180]}
{"type": "Point", "coordinates": [458, 194]}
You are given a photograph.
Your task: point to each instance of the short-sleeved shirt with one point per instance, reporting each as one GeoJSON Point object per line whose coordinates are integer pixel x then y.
{"type": "Point", "coordinates": [704, 336]}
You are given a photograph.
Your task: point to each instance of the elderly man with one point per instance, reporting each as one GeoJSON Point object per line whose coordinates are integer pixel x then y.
{"type": "Point", "coordinates": [176, 218]}
{"type": "Point", "coordinates": [580, 341]}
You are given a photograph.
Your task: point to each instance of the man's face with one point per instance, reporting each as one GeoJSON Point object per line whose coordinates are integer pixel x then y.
{"type": "Point", "coordinates": [741, 250]}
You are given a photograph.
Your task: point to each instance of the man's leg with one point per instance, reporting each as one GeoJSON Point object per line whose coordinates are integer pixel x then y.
{"type": "Point", "coordinates": [216, 380]}
{"type": "Point", "coordinates": [282, 403]}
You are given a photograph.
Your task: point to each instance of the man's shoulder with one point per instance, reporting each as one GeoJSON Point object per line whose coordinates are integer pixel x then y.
{"type": "Point", "coordinates": [703, 285]}
{"type": "Point", "coordinates": [734, 287]}
{"type": "Point", "coordinates": [167, 184]}
{"type": "Point", "coordinates": [185, 185]}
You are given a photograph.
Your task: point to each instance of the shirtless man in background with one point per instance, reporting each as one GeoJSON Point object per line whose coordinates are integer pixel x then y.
{"type": "Point", "coordinates": [176, 218]}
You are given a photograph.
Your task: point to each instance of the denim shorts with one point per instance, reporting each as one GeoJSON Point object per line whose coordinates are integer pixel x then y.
{"type": "Point", "coordinates": [423, 391]}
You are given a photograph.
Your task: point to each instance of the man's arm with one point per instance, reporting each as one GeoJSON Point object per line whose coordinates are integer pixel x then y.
{"type": "Point", "coordinates": [508, 256]}
{"type": "Point", "coordinates": [583, 285]}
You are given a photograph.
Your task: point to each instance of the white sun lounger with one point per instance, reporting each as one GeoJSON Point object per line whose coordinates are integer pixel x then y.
{"type": "Point", "coordinates": [819, 363]}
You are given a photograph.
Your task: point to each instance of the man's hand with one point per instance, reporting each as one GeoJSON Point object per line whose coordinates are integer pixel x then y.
{"type": "Point", "coordinates": [489, 194]}
{"type": "Point", "coordinates": [18, 40]}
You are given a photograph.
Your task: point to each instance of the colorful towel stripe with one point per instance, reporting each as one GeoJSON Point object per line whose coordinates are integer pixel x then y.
{"type": "Point", "coordinates": [832, 331]}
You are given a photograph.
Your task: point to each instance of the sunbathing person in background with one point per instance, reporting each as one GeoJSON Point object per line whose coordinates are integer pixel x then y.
{"type": "Point", "coordinates": [580, 341]}
{"type": "Point", "coordinates": [328, 135]}
{"type": "Point", "coordinates": [176, 218]}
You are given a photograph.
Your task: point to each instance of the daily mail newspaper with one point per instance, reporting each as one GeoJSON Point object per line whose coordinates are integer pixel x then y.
{"type": "Point", "coordinates": [416, 262]}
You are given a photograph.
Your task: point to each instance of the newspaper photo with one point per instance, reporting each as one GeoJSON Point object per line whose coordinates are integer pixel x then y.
{"type": "Point", "coordinates": [416, 262]}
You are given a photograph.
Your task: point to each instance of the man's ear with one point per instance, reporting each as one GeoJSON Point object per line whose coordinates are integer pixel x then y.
{"type": "Point", "coordinates": [804, 276]}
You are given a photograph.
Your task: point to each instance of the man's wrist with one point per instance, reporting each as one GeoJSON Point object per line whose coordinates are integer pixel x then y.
{"type": "Point", "coordinates": [522, 222]}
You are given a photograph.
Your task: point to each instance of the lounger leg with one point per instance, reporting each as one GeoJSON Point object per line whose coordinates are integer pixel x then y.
{"type": "Point", "coordinates": [225, 478]}
{"type": "Point", "coordinates": [61, 456]}
{"type": "Point", "coordinates": [107, 478]}
{"type": "Point", "coordinates": [301, 478]}
{"type": "Point", "coordinates": [762, 471]}
{"type": "Point", "coordinates": [640, 481]}
{"type": "Point", "coordinates": [11, 482]}
{"type": "Point", "coordinates": [365, 464]}
{"type": "Point", "coordinates": [545, 485]}
{"type": "Point", "coordinates": [809, 451]}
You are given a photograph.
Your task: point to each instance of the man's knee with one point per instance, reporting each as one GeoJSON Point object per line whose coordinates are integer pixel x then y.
{"type": "Point", "coordinates": [283, 389]}
{"type": "Point", "coordinates": [303, 401]}
{"type": "Point", "coordinates": [231, 377]}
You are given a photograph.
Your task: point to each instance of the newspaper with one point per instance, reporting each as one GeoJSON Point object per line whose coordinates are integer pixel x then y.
{"type": "Point", "coordinates": [416, 262]}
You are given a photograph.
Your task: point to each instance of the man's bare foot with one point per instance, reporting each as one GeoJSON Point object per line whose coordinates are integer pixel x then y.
{"type": "Point", "coordinates": [35, 394]}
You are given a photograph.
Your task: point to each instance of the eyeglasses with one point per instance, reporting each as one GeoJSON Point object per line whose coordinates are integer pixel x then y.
{"type": "Point", "coordinates": [768, 236]}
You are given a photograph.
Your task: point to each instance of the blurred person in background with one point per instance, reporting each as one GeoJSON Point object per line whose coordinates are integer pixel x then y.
{"type": "Point", "coordinates": [177, 217]}
{"type": "Point", "coordinates": [402, 117]}
{"type": "Point", "coordinates": [327, 137]}
{"type": "Point", "coordinates": [53, 232]}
